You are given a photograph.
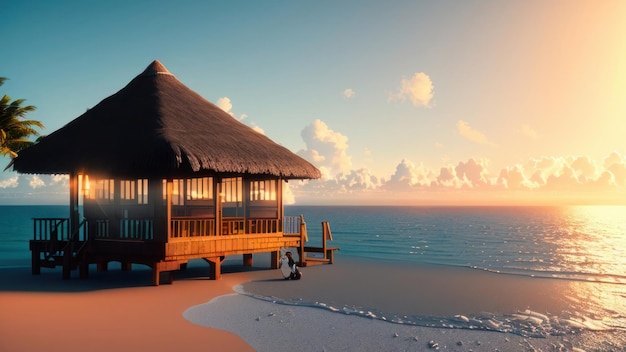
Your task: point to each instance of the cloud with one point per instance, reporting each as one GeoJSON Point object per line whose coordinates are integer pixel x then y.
{"type": "Point", "coordinates": [473, 173]}
{"type": "Point", "coordinates": [326, 148]}
{"type": "Point", "coordinates": [225, 104]}
{"type": "Point", "coordinates": [418, 89]}
{"type": "Point", "coordinates": [614, 158]}
{"type": "Point", "coordinates": [513, 178]}
{"type": "Point", "coordinates": [471, 134]}
{"type": "Point", "coordinates": [547, 180]}
{"type": "Point", "coordinates": [10, 182]}
{"type": "Point", "coordinates": [63, 180]}
{"type": "Point", "coordinates": [349, 93]}
{"type": "Point", "coordinates": [257, 128]}
{"type": "Point", "coordinates": [409, 175]}
{"type": "Point", "coordinates": [584, 167]}
{"type": "Point", "coordinates": [288, 196]}
{"type": "Point", "coordinates": [447, 178]}
{"type": "Point", "coordinates": [615, 164]}
{"type": "Point", "coordinates": [36, 182]}
{"type": "Point", "coordinates": [360, 179]}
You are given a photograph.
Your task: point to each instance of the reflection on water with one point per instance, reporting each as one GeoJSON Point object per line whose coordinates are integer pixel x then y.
{"type": "Point", "coordinates": [592, 241]}
{"type": "Point", "coordinates": [596, 306]}
{"type": "Point", "coordinates": [584, 246]}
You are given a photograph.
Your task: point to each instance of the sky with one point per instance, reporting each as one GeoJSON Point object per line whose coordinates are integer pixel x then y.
{"type": "Point", "coordinates": [478, 102]}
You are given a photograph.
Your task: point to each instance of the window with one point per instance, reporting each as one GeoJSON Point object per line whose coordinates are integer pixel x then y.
{"type": "Point", "coordinates": [232, 189]}
{"type": "Point", "coordinates": [142, 191]}
{"type": "Point", "coordinates": [100, 189]}
{"type": "Point", "coordinates": [263, 190]}
{"type": "Point", "coordinates": [127, 190]}
{"type": "Point", "coordinates": [200, 188]}
{"type": "Point", "coordinates": [178, 191]}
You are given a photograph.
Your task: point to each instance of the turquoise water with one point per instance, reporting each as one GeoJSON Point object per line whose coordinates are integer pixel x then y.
{"type": "Point", "coordinates": [580, 243]}
{"type": "Point", "coordinates": [16, 229]}
{"type": "Point", "coordinates": [584, 246]}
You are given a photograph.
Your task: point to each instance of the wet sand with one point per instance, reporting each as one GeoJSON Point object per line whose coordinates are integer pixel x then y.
{"type": "Point", "coordinates": [270, 325]}
{"type": "Point", "coordinates": [121, 311]}
{"type": "Point", "coordinates": [418, 290]}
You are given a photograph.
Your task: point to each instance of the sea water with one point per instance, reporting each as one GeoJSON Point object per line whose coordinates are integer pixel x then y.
{"type": "Point", "coordinates": [580, 243]}
{"type": "Point", "coordinates": [585, 244]}
{"type": "Point", "coordinates": [17, 229]}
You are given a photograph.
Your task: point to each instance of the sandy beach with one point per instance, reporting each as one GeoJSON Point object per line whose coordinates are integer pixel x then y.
{"type": "Point", "coordinates": [120, 311]}
{"type": "Point", "coordinates": [112, 311]}
{"type": "Point", "coordinates": [270, 325]}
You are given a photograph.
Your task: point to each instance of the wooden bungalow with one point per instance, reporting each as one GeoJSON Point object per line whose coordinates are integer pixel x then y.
{"type": "Point", "coordinates": [160, 176]}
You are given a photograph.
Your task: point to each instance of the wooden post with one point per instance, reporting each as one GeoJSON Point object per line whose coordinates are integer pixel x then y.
{"type": "Point", "coordinates": [327, 236]}
{"type": "Point", "coordinates": [67, 262]}
{"type": "Point", "coordinates": [73, 203]}
{"type": "Point", "coordinates": [156, 275]}
{"type": "Point", "coordinates": [247, 259]}
{"type": "Point", "coordinates": [168, 267]}
{"type": "Point", "coordinates": [217, 198]}
{"type": "Point", "coordinates": [162, 211]}
{"type": "Point", "coordinates": [36, 262]}
{"type": "Point", "coordinates": [280, 206]}
{"type": "Point", "coordinates": [275, 259]}
{"type": "Point", "coordinates": [83, 269]}
{"type": "Point", "coordinates": [303, 239]}
{"type": "Point", "coordinates": [215, 270]}
{"type": "Point", "coordinates": [168, 216]}
{"type": "Point", "coordinates": [324, 229]}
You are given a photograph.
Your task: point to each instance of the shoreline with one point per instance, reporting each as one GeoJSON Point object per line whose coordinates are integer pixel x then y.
{"type": "Point", "coordinates": [349, 304]}
{"type": "Point", "coordinates": [121, 310]}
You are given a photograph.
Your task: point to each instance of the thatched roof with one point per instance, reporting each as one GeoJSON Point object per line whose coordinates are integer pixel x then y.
{"type": "Point", "coordinates": [156, 126]}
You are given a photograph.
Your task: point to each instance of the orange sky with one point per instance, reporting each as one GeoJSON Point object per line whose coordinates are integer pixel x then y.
{"type": "Point", "coordinates": [413, 102]}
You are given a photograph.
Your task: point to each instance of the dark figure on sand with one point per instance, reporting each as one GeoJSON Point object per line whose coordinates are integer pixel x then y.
{"type": "Point", "coordinates": [295, 273]}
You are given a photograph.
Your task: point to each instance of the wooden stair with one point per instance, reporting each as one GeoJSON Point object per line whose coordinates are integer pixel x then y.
{"type": "Point", "coordinates": [327, 253]}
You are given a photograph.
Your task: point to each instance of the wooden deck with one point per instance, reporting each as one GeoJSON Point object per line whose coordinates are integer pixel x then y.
{"type": "Point", "coordinates": [136, 243]}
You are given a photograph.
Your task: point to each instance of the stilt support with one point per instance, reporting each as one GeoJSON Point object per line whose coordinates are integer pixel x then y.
{"type": "Point", "coordinates": [36, 262]}
{"type": "Point", "coordinates": [168, 267]}
{"type": "Point", "coordinates": [275, 259]}
{"type": "Point", "coordinates": [67, 265]}
{"type": "Point", "coordinates": [247, 260]}
{"type": "Point", "coordinates": [215, 270]}
{"type": "Point", "coordinates": [83, 270]}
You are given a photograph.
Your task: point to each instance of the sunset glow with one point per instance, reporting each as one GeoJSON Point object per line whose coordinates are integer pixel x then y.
{"type": "Point", "coordinates": [412, 102]}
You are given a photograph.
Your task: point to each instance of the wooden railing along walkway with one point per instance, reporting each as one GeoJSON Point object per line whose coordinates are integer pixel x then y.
{"type": "Point", "coordinates": [57, 229]}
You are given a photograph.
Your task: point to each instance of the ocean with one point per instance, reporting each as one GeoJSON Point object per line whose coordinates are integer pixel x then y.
{"type": "Point", "coordinates": [578, 244]}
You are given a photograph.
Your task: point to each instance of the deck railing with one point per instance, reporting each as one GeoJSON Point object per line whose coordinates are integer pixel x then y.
{"type": "Point", "coordinates": [233, 226]}
{"type": "Point", "coordinates": [263, 225]}
{"type": "Point", "coordinates": [137, 229]}
{"type": "Point", "coordinates": [46, 229]}
{"type": "Point", "coordinates": [191, 227]}
{"type": "Point", "coordinates": [101, 229]}
{"type": "Point", "coordinates": [291, 225]}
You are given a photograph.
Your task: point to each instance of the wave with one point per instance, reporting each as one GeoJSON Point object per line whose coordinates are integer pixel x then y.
{"type": "Point", "coordinates": [525, 323]}
{"type": "Point", "coordinates": [554, 274]}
